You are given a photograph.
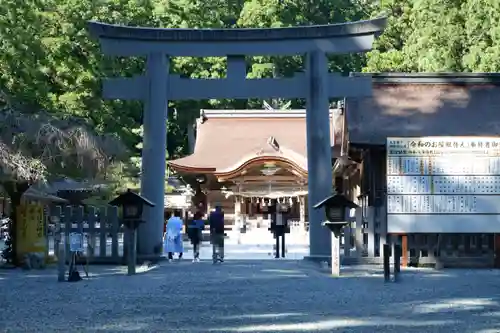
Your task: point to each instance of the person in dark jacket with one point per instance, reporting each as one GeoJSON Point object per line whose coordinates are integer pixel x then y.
{"type": "Point", "coordinates": [216, 220]}
{"type": "Point", "coordinates": [195, 229]}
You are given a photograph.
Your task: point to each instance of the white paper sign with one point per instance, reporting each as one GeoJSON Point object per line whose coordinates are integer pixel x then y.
{"type": "Point", "coordinates": [443, 184]}
{"type": "Point", "coordinates": [76, 242]}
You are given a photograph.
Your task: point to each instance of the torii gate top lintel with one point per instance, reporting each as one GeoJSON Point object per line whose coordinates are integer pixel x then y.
{"type": "Point", "coordinates": [237, 34]}
{"type": "Point", "coordinates": [121, 40]}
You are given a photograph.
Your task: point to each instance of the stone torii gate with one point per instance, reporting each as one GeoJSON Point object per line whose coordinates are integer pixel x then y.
{"type": "Point", "coordinates": [158, 86]}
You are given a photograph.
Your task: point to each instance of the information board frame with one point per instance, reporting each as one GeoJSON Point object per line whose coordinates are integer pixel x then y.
{"type": "Point", "coordinates": [443, 184]}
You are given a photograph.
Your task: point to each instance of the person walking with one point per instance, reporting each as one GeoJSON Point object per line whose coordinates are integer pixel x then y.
{"type": "Point", "coordinates": [195, 228]}
{"type": "Point", "coordinates": [216, 221]}
{"type": "Point", "coordinates": [173, 236]}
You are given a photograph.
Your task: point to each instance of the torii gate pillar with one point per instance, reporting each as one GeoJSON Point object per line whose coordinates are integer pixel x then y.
{"type": "Point", "coordinates": [319, 150]}
{"type": "Point", "coordinates": [154, 151]}
{"type": "Point", "coordinates": [157, 86]}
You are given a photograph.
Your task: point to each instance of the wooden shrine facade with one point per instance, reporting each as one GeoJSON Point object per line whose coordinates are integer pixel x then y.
{"type": "Point", "coordinates": [244, 158]}
{"type": "Point", "coordinates": [413, 105]}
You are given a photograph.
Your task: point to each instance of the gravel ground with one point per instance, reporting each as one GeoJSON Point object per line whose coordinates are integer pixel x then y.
{"type": "Point", "coordinates": [250, 296]}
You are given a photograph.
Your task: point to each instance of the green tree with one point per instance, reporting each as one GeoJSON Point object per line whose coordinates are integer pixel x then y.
{"type": "Point", "coordinates": [482, 36]}
{"type": "Point", "coordinates": [35, 146]}
{"type": "Point", "coordinates": [435, 43]}
{"type": "Point", "coordinates": [437, 36]}
{"type": "Point", "coordinates": [49, 100]}
{"type": "Point", "coordinates": [388, 54]}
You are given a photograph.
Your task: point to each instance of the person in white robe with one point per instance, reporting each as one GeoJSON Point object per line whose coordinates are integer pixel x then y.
{"type": "Point", "coordinates": [173, 236]}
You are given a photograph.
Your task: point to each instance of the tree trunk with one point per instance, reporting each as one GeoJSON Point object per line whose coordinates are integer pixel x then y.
{"type": "Point", "coordinates": [15, 191]}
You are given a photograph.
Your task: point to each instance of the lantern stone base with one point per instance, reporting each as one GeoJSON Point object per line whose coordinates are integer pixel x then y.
{"type": "Point", "coordinates": [153, 258]}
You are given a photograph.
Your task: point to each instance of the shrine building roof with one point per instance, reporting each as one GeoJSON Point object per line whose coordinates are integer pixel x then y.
{"type": "Point", "coordinates": [230, 140]}
{"type": "Point", "coordinates": [426, 104]}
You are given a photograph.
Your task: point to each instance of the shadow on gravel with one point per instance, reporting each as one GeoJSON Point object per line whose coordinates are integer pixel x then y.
{"type": "Point", "coordinates": [362, 302]}
{"type": "Point", "coordinates": [94, 272]}
{"type": "Point", "coordinates": [251, 296]}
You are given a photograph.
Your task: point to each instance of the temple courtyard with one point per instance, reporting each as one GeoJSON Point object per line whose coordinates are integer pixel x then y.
{"type": "Point", "coordinates": [250, 296]}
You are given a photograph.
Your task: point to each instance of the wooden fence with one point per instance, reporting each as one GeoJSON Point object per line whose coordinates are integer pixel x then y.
{"type": "Point", "coordinates": [103, 235]}
{"type": "Point", "coordinates": [364, 239]}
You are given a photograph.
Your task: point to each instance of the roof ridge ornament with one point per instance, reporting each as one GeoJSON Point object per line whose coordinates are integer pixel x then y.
{"type": "Point", "coordinates": [272, 147]}
{"type": "Point", "coordinates": [271, 141]}
{"type": "Point", "coordinates": [203, 118]}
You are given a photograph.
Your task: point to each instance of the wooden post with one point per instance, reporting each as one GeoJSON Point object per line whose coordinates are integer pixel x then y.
{"type": "Point", "coordinates": [397, 261]}
{"type": "Point", "coordinates": [387, 264]}
{"type": "Point", "coordinates": [91, 217]}
{"type": "Point", "coordinates": [103, 239]}
{"type": "Point", "coordinates": [347, 239]}
{"type": "Point", "coordinates": [68, 219]}
{"type": "Point", "coordinates": [131, 237]}
{"type": "Point", "coordinates": [61, 255]}
{"type": "Point", "coordinates": [383, 227]}
{"type": "Point", "coordinates": [370, 220]}
{"type": "Point", "coordinates": [59, 248]}
{"type": "Point", "coordinates": [302, 211]}
{"type": "Point", "coordinates": [335, 255]}
{"type": "Point", "coordinates": [61, 264]}
{"type": "Point", "coordinates": [133, 248]}
{"type": "Point", "coordinates": [283, 245]}
{"type": "Point", "coordinates": [277, 244]}
{"type": "Point", "coordinates": [237, 214]}
{"type": "Point", "coordinates": [404, 249]}
{"type": "Point", "coordinates": [496, 245]}
{"type": "Point", "coordinates": [359, 232]}
{"type": "Point", "coordinates": [112, 217]}
{"type": "Point", "coordinates": [209, 206]}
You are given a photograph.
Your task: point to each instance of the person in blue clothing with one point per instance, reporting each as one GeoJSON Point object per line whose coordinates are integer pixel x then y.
{"type": "Point", "coordinates": [173, 236]}
{"type": "Point", "coordinates": [216, 220]}
{"type": "Point", "coordinates": [195, 228]}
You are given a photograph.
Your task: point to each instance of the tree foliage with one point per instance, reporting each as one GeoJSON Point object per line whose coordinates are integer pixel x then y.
{"type": "Point", "coordinates": [48, 61]}
{"type": "Point", "coordinates": [437, 36]}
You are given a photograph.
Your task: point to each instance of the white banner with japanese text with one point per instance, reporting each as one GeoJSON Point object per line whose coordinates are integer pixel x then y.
{"type": "Point", "coordinates": [443, 185]}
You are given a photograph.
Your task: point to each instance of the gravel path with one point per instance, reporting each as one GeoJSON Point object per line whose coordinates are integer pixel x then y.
{"type": "Point", "coordinates": [250, 296]}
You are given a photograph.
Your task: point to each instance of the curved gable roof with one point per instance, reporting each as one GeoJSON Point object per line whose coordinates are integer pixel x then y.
{"type": "Point", "coordinates": [225, 143]}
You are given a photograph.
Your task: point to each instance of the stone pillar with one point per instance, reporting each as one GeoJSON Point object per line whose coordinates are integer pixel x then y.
{"type": "Point", "coordinates": [154, 154]}
{"type": "Point", "coordinates": [319, 155]}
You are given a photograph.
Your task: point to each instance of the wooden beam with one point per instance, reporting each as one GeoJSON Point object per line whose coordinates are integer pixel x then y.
{"type": "Point", "coordinates": [236, 87]}
{"type": "Point", "coordinates": [404, 249]}
{"type": "Point", "coordinates": [262, 179]}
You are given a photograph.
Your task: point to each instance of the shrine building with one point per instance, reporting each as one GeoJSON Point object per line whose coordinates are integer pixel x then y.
{"type": "Point", "coordinates": [445, 209]}
{"type": "Point", "coordinates": [244, 158]}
